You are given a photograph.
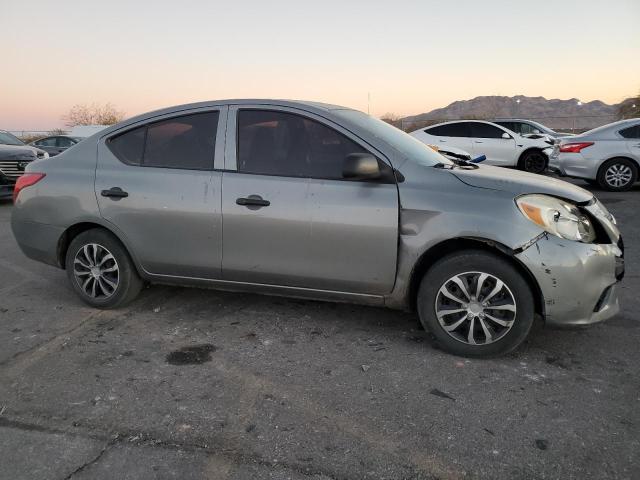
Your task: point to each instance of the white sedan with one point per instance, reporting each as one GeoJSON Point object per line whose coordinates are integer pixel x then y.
{"type": "Point", "coordinates": [501, 146]}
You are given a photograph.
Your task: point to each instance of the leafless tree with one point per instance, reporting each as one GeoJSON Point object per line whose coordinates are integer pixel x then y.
{"type": "Point", "coordinates": [93, 114]}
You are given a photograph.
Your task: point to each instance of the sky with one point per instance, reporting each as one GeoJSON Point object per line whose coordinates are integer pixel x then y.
{"type": "Point", "coordinates": [401, 57]}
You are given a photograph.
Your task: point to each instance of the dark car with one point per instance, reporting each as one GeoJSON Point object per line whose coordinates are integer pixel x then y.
{"type": "Point", "coordinates": [55, 144]}
{"type": "Point", "coordinates": [14, 157]}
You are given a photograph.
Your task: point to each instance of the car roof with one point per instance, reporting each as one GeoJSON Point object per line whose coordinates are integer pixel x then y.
{"type": "Point", "coordinates": [513, 120]}
{"type": "Point", "coordinates": [611, 127]}
{"type": "Point", "coordinates": [462, 120]}
{"type": "Point", "coordinates": [311, 106]}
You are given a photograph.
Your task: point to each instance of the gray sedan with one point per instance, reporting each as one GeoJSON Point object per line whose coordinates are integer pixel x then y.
{"type": "Point", "coordinates": [319, 201]}
{"type": "Point", "coordinates": [607, 156]}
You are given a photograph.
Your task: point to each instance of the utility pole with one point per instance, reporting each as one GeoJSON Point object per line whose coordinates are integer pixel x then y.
{"type": "Point", "coordinates": [368, 103]}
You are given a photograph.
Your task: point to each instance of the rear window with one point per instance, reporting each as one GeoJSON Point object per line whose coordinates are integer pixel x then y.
{"type": "Point", "coordinates": [186, 142]}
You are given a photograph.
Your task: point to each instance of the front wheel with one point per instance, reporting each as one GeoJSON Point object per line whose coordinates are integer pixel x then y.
{"type": "Point", "coordinates": [533, 161]}
{"type": "Point", "coordinates": [101, 271]}
{"type": "Point", "coordinates": [476, 304]}
{"type": "Point", "coordinates": [617, 175]}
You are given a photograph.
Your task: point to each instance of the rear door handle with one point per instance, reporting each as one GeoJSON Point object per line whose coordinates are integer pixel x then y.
{"type": "Point", "coordinates": [253, 201]}
{"type": "Point", "coordinates": [114, 192]}
{"type": "Point", "coordinates": [478, 141]}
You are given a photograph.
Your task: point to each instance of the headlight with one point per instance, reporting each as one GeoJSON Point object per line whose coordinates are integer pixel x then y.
{"type": "Point", "coordinates": [557, 217]}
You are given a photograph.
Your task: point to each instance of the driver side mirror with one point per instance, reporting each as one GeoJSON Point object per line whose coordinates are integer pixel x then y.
{"type": "Point", "coordinates": [360, 166]}
{"type": "Point", "coordinates": [506, 136]}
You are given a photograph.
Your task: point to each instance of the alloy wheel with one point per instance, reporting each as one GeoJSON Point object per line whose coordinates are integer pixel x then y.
{"type": "Point", "coordinates": [618, 175]}
{"type": "Point", "coordinates": [475, 308]}
{"type": "Point", "coordinates": [96, 271]}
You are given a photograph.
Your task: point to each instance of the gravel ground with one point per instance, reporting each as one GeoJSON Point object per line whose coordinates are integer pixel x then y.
{"type": "Point", "coordinates": [188, 383]}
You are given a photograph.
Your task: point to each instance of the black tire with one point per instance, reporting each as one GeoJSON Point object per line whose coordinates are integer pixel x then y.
{"type": "Point", "coordinates": [533, 161]}
{"type": "Point", "coordinates": [469, 262]}
{"type": "Point", "coordinates": [125, 277]}
{"type": "Point", "coordinates": [620, 163]}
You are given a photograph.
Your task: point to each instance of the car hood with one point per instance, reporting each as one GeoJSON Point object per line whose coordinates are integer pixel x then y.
{"type": "Point", "coordinates": [519, 183]}
{"type": "Point", "coordinates": [18, 152]}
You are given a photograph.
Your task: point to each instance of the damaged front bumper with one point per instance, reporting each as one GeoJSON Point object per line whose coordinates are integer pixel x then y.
{"type": "Point", "coordinates": [577, 280]}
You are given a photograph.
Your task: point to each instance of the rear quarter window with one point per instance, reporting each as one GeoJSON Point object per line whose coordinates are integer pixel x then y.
{"type": "Point", "coordinates": [631, 132]}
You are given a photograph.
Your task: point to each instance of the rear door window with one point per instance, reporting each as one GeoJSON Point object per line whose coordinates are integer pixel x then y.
{"type": "Point", "coordinates": [186, 142]}
{"type": "Point", "coordinates": [458, 129]}
{"type": "Point", "coordinates": [484, 130]}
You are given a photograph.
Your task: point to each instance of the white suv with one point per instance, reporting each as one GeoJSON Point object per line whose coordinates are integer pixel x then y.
{"type": "Point", "coordinates": [501, 146]}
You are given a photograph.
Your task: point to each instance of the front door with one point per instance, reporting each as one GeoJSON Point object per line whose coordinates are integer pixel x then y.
{"type": "Point", "coordinates": [488, 140]}
{"type": "Point", "coordinates": [157, 185]}
{"type": "Point", "coordinates": [289, 216]}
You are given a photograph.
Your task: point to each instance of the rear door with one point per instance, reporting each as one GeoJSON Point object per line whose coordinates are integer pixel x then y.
{"type": "Point", "coordinates": [488, 140]}
{"type": "Point", "coordinates": [456, 134]}
{"type": "Point", "coordinates": [631, 137]}
{"type": "Point", "coordinates": [156, 183]}
{"type": "Point", "coordinates": [289, 216]}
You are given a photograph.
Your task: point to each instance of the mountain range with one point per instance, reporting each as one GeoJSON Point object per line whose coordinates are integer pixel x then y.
{"type": "Point", "coordinates": [558, 114]}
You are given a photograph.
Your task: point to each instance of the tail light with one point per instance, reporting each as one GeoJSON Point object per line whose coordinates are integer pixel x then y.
{"type": "Point", "coordinates": [25, 181]}
{"type": "Point", "coordinates": [574, 147]}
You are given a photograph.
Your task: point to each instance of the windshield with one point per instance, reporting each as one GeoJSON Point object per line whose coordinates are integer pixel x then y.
{"type": "Point", "coordinates": [541, 127]}
{"type": "Point", "coordinates": [7, 139]}
{"type": "Point", "coordinates": [401, 141]}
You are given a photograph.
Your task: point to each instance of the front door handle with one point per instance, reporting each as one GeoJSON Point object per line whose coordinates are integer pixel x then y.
{"type": "Point", "coordinates": [478, 141]}
{"type": "Point", "coordinates": [253, 201]}
{"type": "Point", "coordinates": [115, 193]}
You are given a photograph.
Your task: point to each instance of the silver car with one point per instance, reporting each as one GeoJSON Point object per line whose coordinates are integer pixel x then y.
{"type": "Point", "coordinates": [319, 201]}
{"type": "Point", "coordinates": [528, 127]}
{"type": "Point", "coordinates": [607, 156]}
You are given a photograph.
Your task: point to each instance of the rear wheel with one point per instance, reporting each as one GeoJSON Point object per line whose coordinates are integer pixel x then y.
{"type": "Point", "coordinates": [533, 161]}
{"type": "Point", "coordinates": [617, 174]}
{"type": "Point", "coordinates": [101, 271]}
{"type": "Point", "coordinates": [476, 304]}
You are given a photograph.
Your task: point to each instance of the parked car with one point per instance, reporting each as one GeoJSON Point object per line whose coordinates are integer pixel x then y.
{"type": "Point", "coordinates": [607, 156]}
{"type": "Point", "coordinates": [320, 201]}
{"type": "Point", "coordinates": [55, 144]}
{"type": "Point", "coordinates": [14, 157]}
{"type": "Point", "coordinates": [502, 147]}
{"type": "Point", "coordinates": [528, 127]}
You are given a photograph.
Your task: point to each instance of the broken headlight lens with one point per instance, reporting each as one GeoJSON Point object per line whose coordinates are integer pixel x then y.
{"type": "Point", "coordinates": [557, 217]}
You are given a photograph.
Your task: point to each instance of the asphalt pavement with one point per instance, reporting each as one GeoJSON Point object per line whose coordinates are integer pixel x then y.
{"type": "Point", "coordinates": [188, 383]}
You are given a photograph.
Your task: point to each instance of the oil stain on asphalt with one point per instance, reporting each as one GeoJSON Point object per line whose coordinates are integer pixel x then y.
{"type": "Point", "coordinates": [192, 355]}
